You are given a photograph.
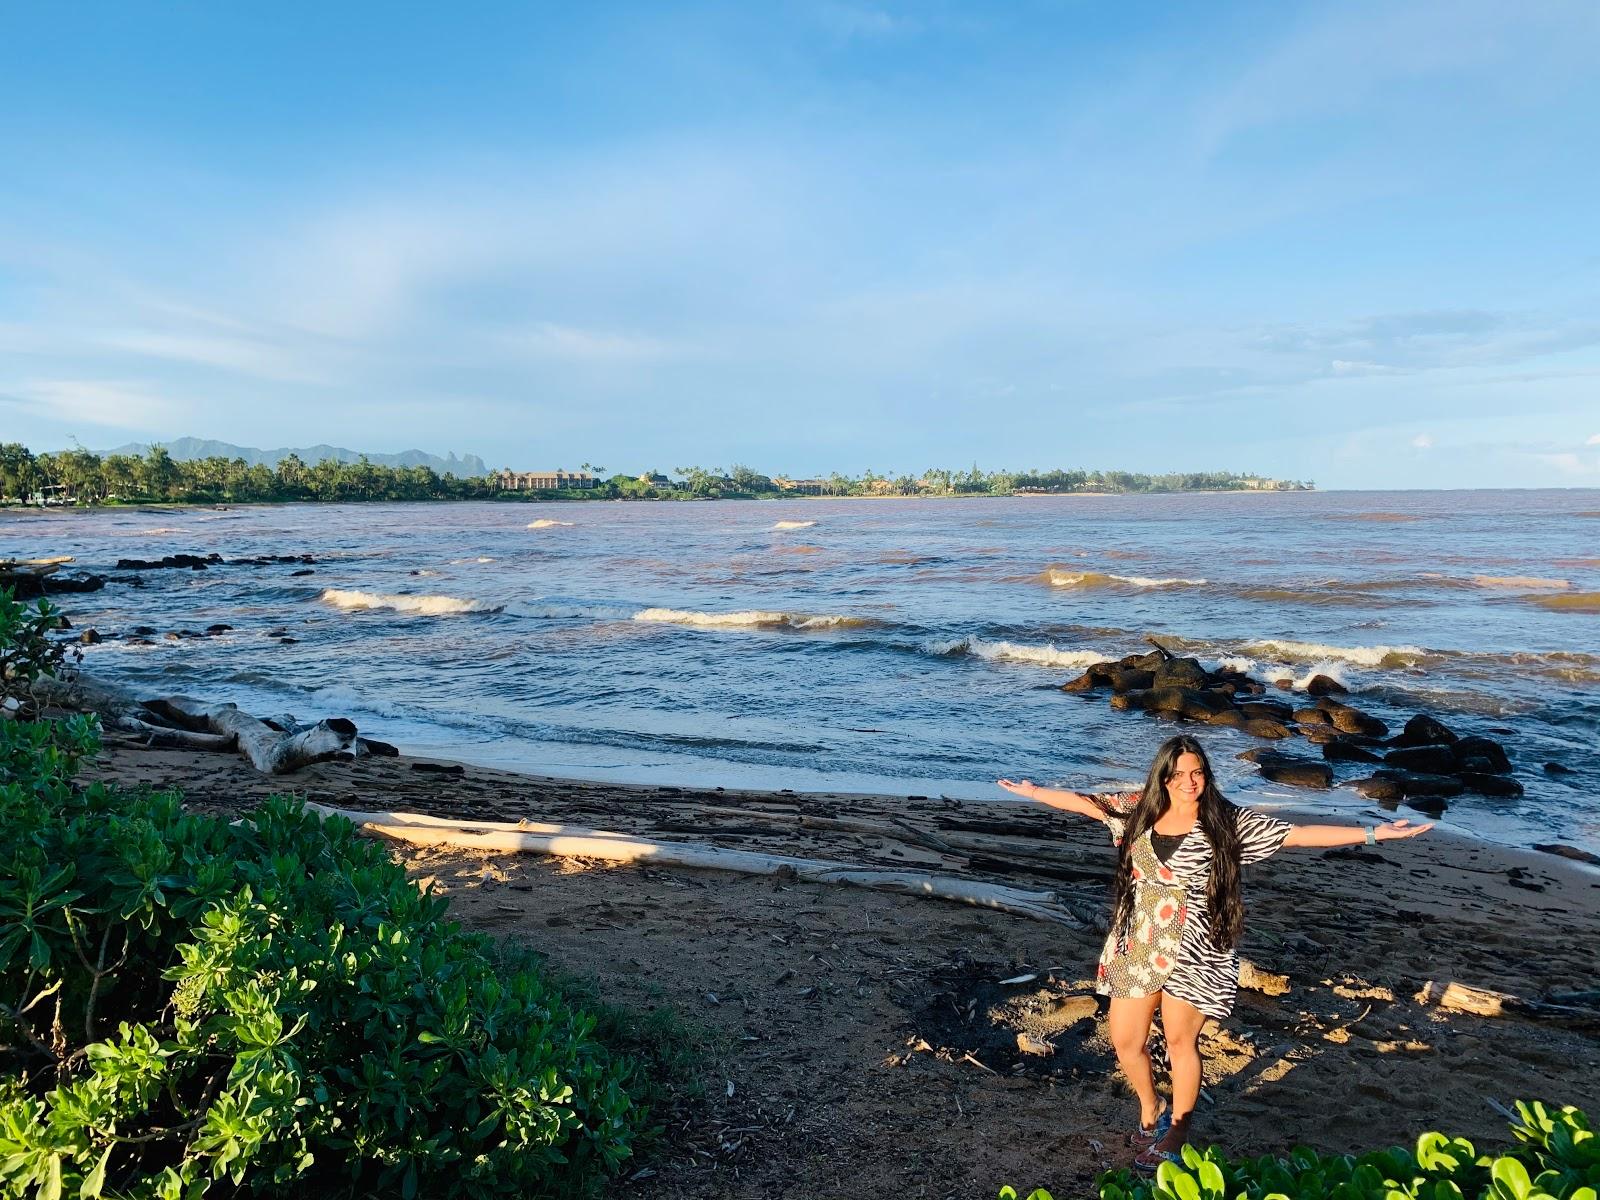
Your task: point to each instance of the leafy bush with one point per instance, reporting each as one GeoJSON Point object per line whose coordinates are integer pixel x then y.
{"type": "Point", "coordinates": [1559, 1159]}
{"type": "Point", "coordinates": [26, 650]}
{"type": "Point", "coordinates": [189, 1005]}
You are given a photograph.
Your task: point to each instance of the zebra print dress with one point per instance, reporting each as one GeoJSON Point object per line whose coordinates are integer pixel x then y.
{"type": "Point", "coordinates": [1167, 946]}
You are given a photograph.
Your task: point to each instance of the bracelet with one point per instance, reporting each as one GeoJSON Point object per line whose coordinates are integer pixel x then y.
{"type": "Point", "coordinates": [1372, 835]}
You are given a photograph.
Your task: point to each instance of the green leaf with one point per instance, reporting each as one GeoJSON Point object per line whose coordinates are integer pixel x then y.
{"type": "Point", "coordinates": [95, 1181]}
{"type": "Point", "coordinates": [1511, 1179]}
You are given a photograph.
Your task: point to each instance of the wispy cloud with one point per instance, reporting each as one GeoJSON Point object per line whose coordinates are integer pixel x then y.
{"type": "Point", "coordinates": [101, 404]}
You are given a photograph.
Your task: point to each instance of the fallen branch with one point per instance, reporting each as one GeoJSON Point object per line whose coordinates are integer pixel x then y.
{"type": "Point", "coordinates": [268, 750]}
{"type": "Point", "coordinates": [1484, 1002]}
{"type": "Point", "coordinates": [567, 841]}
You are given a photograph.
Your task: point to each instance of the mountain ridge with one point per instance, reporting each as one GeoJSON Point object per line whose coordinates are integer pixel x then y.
{"type": "Point", "coordinates": [187, 449]}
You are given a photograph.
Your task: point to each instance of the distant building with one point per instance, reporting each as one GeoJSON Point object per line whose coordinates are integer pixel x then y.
{"type": "Point", "coordinates": [656, 480]}
{"type": "Point", "coordinates": [543, 481]}
{"type": "Point", "coordinates": [803, 487]}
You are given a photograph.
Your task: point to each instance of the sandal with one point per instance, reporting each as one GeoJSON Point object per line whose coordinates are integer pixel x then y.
{"type": "Point", "coordinates": [1149, 1135]}
{"type": "Point", "coordinates": [1152, 1156]}
{"type": "Point", "coordinates": [1150, 1159]}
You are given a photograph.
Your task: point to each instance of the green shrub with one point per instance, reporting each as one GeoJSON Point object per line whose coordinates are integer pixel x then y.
{"type": "Point", "coordinates": [1558, 1159]}
{"type": "Point", "coordinates": [26, 651]}
{"type": "Point", "coordinates": [189, 1005]}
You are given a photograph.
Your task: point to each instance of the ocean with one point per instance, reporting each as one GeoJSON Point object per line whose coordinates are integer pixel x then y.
{"type": "Point", "coordinates": [910, 647]}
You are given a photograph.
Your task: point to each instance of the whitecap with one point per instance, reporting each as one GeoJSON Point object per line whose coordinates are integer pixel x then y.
{"type": "Point", "coordinates": [748, 619]}
{"type": "Point", "coordinates": [1095, 579]}
{"type": "Point", "coordinates": [1042, 656]}
{"type": "Point", "coordinates": [1521, 582]}
{"type": "Point", "coordinates": [794, 525]}
{"type": "Point", "coordinates": [1361, 656]}
{"type": "Point", "coordinates": [547, 523]}
{"type": "Point", "coordinates": [424, 606]}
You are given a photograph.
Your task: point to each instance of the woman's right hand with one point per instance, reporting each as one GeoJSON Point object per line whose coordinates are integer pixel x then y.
{"type": "Point", "coordinates": [1025, 788]}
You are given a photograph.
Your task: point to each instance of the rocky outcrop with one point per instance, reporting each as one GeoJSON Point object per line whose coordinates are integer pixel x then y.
{"type": "Point", "coordinates": [1424, 765]}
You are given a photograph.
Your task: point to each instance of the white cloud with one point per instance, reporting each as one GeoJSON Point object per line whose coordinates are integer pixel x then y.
{"type": "Point", "coordinates": [104, 403]}
{"type": "Point", "coordinates": [1423, 441]}
{"type": "Point", "coordinates": [1594, 440]}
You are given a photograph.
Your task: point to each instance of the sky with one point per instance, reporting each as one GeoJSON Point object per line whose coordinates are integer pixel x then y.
{"type": "Point", "coordinates": [1355, 243]}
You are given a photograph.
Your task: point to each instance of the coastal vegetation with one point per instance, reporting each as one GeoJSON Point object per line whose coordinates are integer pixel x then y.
{"type": "Point", "coordinates": [1557, 1158]}
{"type": "Point", "coordinates": [80, 476]}
{"type": "Point", "coordinates": [189, 1005]}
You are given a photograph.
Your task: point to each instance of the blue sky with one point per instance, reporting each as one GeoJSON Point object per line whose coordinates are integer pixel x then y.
{"type": "Point", "coordinates": [1349, 242]}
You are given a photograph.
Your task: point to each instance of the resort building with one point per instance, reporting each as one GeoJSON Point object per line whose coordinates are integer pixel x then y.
{"type": "Point", "coordinates": [542, 481]}
{"type": "Point", "coordinates": [803, 487]}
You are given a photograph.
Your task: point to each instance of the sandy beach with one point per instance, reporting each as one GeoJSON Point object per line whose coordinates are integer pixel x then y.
{"type": "Point", "coordinates": [859, 1043]}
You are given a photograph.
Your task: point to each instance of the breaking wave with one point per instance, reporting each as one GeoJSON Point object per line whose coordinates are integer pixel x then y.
{"type": "Point", "coordinates": [547, 523]}
{"type": "Point", "coordinates": [1521, 582]}
{"type": "Point", "coordinates": [794, 525]}
{"type": "Point", "coordinates": [750, 619]}
{"type": "Point", "coordinates": [1056, 577]}
{"type": "Point", "coordinates": [1043, 656]}
{"type": "Point", "coordinates": [1361, 656]}
{"type": "Point", "coordinates": [422, 606]}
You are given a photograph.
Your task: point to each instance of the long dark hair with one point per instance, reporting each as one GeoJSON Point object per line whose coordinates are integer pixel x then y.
{"type": "Point", "coordinates": [1223, 905]}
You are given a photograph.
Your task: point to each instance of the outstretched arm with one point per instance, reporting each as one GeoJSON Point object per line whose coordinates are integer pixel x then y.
{"type": "Point", "coordinates": [1066, 801]}
{"type": "Point", "coordinates": [1351, 835]}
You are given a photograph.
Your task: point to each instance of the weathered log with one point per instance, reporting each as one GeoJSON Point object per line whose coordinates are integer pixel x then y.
{"type": "Point", "coordinates": [565, 840]}
{"type": "Point", "coordinates": [269, 751]}
{"type": "Point", "coordinates": [1485, 1002]}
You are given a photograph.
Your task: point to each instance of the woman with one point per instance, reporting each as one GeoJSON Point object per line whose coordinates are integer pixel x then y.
{"type": "Point", "coordinates": [1177, 916]}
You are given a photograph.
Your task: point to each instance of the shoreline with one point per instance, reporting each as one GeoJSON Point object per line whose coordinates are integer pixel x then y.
{"type": "Point", "coordinates": [855, 1041]}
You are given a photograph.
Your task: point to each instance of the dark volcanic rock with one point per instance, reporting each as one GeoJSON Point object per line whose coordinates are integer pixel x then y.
{"type": "Point", "coordinates": [1566, 851]}
{"type": "Point", "coordinates": [1230, 718]}
{"type": "Point", "coordinates": [1324, 685]}
{"type": "Point", "coordinates": [218, 628]}
{"type": "Point", "coordinates": [1344, 750]}
{"type": "Point", "coordinates": [1086, 682]}
{"type": "Point", "coordinates": [302, 571]}
{"type": "Point", "coordinates": [1263, 727]}
{"type": "Point", "coordinates": [1420, 783]}
{"type": "Point", "coordinates": [1379, 787]}
{"type": "Point", "coordinates": [1297, 772]}
{"type": "Point", "coordinates": [1353, 720]}
{"type": "Point", "coordinates": [1130, 679]}
{"type": "Point", "coordinates": [1482, 754]}
{"type": "Point", "coordinates": [1322, 735]}
{"type": "Point", "coordinates": [1555, 768]}
{"type": "Point", "coordinates": [1130, 701]}
{"type": "Point", "coordinates": [1435, 760]}
{"type": "Point", "coordinates": [1432, 806]}
{"type": "Point", "coordinates": [1180, 673]}
{"type": "Point", "coordinates": [90, 637]}
{"type": "Point", "coordinates": [1484, 784]}
{"type": "Point", "coordinates": [1312, 716]}
{"type": "Point", "coordinates": [1272, 710]}
{"type": "Point", "coordinates": [192, 561]}
{"type": "Point", "coordinates": [1423, 730]}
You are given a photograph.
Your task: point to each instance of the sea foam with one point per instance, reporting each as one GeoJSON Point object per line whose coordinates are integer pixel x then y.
{"type": "Point", "coordinates": [1042, 656]}
{"type": "Point", "coordinates": [794, 525]}
{"type": "Point", "coordinates": [1521, 582]}
{"type": "Point", "coordinates": [422, 606]}
{"type": "Point", "coordinates": [1361, 656]}
{"type": "Point", "coordinates": [547, 523]}
{"type": "Point", "coordinates": [749, 619]}
{"type": "Point", "coordinates": [1096, 579]}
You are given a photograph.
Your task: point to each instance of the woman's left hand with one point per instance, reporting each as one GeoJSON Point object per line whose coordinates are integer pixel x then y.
{"type": "Point", "coordinates": [1391, 830]}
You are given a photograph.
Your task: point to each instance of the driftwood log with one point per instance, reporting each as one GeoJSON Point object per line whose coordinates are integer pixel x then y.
{"type": "Point", "coordinates": [1485, 1002]}
{"type": "Point", "coordinates": [270, 751]}
{"type": "Point", "coordinates": [570, 841]}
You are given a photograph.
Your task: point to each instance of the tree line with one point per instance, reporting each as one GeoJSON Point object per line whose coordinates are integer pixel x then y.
{"type": "Point", "coordinates": [79, 476]}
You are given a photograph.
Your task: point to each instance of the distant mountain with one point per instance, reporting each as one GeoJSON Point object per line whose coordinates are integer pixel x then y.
{"type": "Point", "coordinates": [188, 449]}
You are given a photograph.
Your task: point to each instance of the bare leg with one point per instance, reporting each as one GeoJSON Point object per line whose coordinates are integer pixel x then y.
{"type": "Point", "coordinates": [1128, 1025]}
{"type": "Point", "coordinates": [1181, 1021]}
